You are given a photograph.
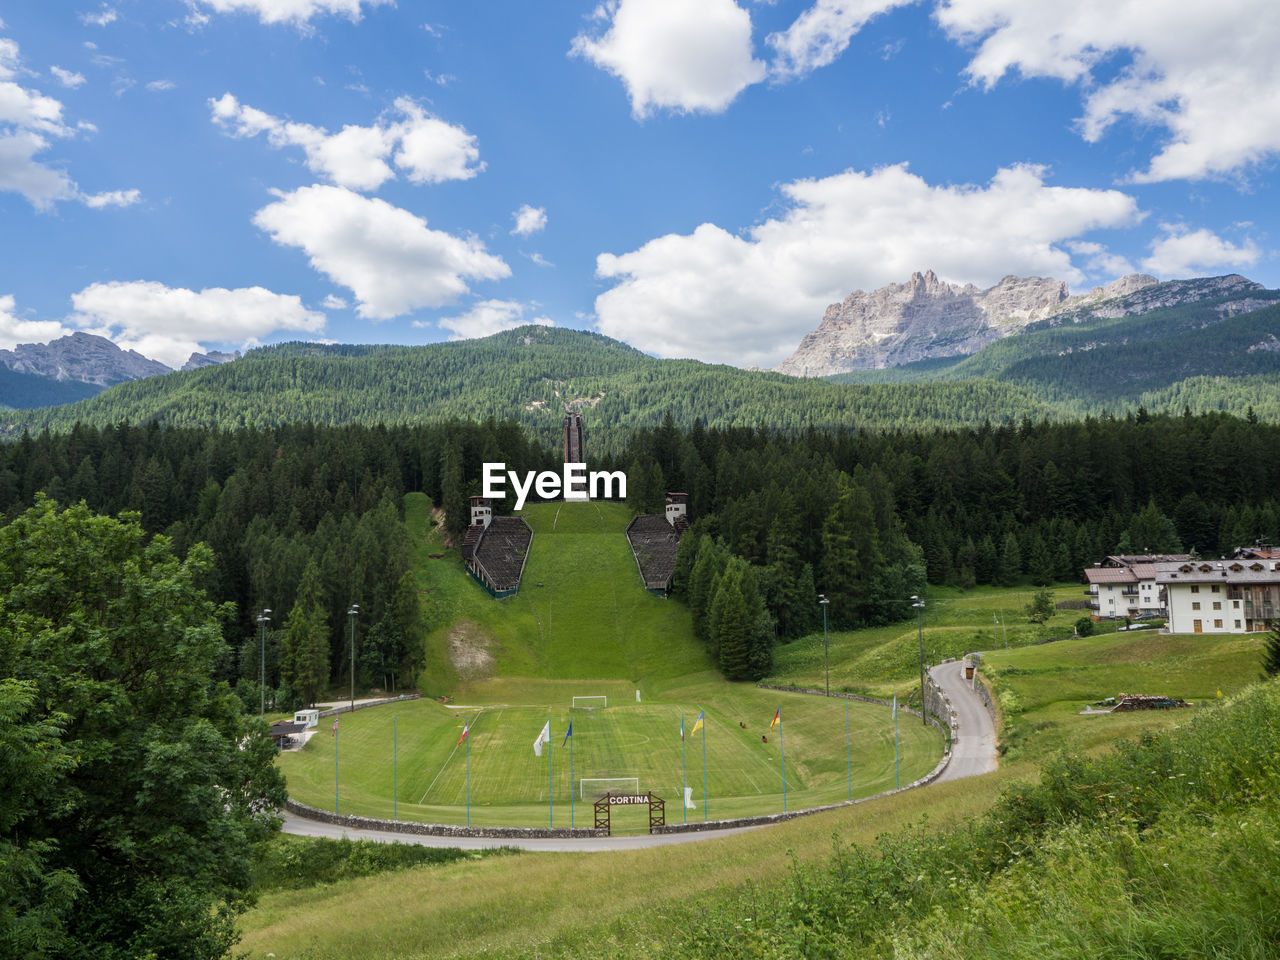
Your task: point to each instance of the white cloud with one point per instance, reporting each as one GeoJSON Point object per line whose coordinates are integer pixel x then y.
{"type": "Point", "coordinates": [820, 34]}
{"type": "Point", "coordinates": [689, 57]}
{"type": "Point", "coordinates": [169, 323]}
{"type": "Point", "coordinates": [529, 220]}
{"type": "Point", "coordinates": [540, 260]}
{"type": "Point", "coordinates": [14, 330]}
{"type": "Point", "coordinates": [298, 12]}
{"type": "Point", "coordinates": [330, 302]}
{"type": "Point", "coordinates": [28, 119]}
{"type": "Point", "coordinates": [100, 19]}
{"type": "Point", "coordinates": [1181, 252]}
{"type": "Point", "coordinates": [159, 86]}
{"type": "Point", "coordinates": [749, 299]}
{"type": "Point", "coordinates": [112, 198]}
{"type": "Point", "coordinates": [487, 318]}
{"type": "Point", "coordinates": [385, 255]}
{"type": "Point", "coordinates": [68, 78]}
{"type": "Point", "coordinates": [430, 150]}
{"type": "Point", "coordinates": [1099, 262]}
{"type": "Point", "coordinates": [1205, 72]}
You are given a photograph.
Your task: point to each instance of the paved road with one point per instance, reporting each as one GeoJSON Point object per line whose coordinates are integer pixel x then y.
{"type": "Point", "coordinates": [973, 749]}
{"type": "Point", "coordinates": [973, 753]}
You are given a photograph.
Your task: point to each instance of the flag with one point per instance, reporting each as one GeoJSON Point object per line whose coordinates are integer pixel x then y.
{"type": "Point", "coordinates": [1219, 693]}
{"type": "Point", "coordinates": [567, 734]}
{"type": "Point", "coordinates": [697, 725]}
{"type": "Point", "coordinates": [682, 728]}
{"type": "Point", "coordinates": [777, 718]}
{"type": "Point", "coordinates": [895, 706]}
{"type": "Point", "coordinates": [334, 731]}
{"type": "Point", "coordinates": [466, 728]}
{"type": "Point", "coordinates": [541, 738]}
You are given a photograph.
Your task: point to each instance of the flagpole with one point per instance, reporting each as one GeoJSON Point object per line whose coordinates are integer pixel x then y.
{"type": "Point", "coordinates": [782, 753]}
{"type": "Point", "coordinates": [395, 781]}
{"type": "Point", "coordinates": [848, 756]}
{"type": "Point", "coordinates": [551, 802]}
{"type": "Point", "coordinates": [335, 767]}
{"type": "Point", "coordinates": [570, 739]}
{"type": "Point", "coordinates": [466, 728]}
{"type": "Point", "coordinates": [684, 783]}
{"type": "Point", "coordinates": [704, 767]}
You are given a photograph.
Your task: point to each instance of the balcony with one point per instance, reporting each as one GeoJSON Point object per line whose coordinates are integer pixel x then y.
{"type": "Point", "coordinates": [1129, 592]}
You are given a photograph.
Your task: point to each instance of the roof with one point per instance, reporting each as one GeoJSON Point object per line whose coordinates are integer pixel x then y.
{"type": "Point", "coordinates": [1243, 571]}
{"type": "Point", "coordinates": [1110, 575]}
{"type": "Point", "coordinates": [1130, 559]}
{"type": "Point", "coordinates": [501, 551]}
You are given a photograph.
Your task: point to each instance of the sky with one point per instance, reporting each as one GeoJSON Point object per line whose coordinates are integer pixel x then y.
{"type": "Point", "coordinates": [697, 178]}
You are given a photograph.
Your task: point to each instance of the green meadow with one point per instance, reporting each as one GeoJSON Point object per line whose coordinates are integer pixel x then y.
{"type": "Point", "coordinates": [582, 625]}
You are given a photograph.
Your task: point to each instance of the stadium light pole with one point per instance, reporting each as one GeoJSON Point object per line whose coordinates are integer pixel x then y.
{"type": "Point", "coordinates": [352, 612]}
{"type": "Point", "coordinates": [263, 619]}
{"type": "Point", "coordinates": [919, 605]}
{"type": "Point", "coordinates": [826, 647]}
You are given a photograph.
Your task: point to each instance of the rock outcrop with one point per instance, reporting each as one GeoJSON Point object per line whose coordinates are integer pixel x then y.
{"type": "Point", "coordinates": [81, 357]}
{"type": "Point", "coordinates": [210, 359]}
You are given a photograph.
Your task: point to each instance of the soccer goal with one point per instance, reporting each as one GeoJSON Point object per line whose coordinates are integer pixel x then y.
{"type": "Point", "coordinates": [590, 703]}
{"type": "Point", "coordinates": [598, 786]}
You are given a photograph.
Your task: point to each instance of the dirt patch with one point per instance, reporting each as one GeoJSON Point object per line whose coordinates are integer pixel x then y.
{"type": "Point", "coordinates": [437, 521]}
{"type": "Point", "coordinates": [469, 651]}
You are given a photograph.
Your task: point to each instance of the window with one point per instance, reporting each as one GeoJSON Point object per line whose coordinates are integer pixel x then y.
{"type": "Point", "coordinates": [1214, 588]}
{"type": "Point", "coordinates": [1195, 605]}
{"type": "Point", "coordinates": [1218, 624]}
{"type": "Point", "coordinates": [1217, 604]}
{"type": "Point", "coordinates": [1195, 588]}
{"type": "Point", "coordinates": [1237, 624]}
{"type": "Point", "coordinates": [1235, 605]}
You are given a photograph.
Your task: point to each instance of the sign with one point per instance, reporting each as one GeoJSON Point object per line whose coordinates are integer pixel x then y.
{"type": "Point", "coordinates": [625, 800]}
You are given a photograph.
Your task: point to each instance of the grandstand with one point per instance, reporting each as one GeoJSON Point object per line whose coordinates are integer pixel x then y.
{"type": "Point", "coordinates": [654, 540]}
{"type": "Point", "coordinates": [495, 549]}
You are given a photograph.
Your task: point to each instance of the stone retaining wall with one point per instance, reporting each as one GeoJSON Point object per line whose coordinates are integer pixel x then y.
{"type": "Point", "coordinates": [439, 829]}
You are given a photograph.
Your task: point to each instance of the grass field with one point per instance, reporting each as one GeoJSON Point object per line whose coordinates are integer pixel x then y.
{"type": "Point", "coordinates": [511, 665]}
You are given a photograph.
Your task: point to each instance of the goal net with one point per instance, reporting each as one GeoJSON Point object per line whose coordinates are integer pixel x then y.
{"type": "Point", "coordinates": [599, 786]}
{"type": "Point", "coordinates": [590, 702]}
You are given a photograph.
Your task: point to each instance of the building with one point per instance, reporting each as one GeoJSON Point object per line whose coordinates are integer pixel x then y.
{"type": "Point", "coordinates": [495, 549]}
{"type": "Point", "coordinates": [1125, 586]}
{"type": "Point", "coordinates": [655, 540]}
{"type": "Point", "coordinates": [1238, 595]}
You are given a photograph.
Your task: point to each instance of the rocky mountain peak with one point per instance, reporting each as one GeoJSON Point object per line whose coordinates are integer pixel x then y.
{"type": "Point", "coordinates": [82, 357]}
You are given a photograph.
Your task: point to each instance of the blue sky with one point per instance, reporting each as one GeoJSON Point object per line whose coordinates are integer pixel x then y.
{"type": "Point", "coordinates": [697, 179]}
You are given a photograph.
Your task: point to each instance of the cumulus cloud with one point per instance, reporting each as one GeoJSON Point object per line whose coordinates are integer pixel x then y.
{"type": "Point", "coordinates": [710, 293]}
{"type": "Point", "coordinates": [688, 57]}
{"type": "Point", "coordinates": [28, 119]}
{"type": "Point", "coordinates": [426, 148]}
{"type": "Point", "coordinates": [14, 330]}
{"type": "Point", "coordinates": [68, 78]}
{"type": "Point", "coordinates": [820, 34]}
{"type": "Point", "coordinates": [529, 220]}
{"type": "Point", "coordinates": [298, 12]}
{"type": "Point", "coordinates": [111, 198]}
{"type": "Point", "coordinates": [388, 257]}
{"type": "Point", "coordinates": [169, 323]}
{"type": "Point", "coordinates": [1206, 73]}
{"type": "Point", "coordinates": [487, 318]}
{"type": "Point", "coordinates": [331, 302]}
{"type": "Point", "coordinates": [1182, 252]}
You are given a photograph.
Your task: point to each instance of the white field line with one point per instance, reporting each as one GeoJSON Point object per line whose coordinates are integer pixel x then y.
{"type": "Point", "coordinates": [446, 763]}
{"type": "Point", "coordinates": [556, 519]}
{"type": "Point", "coordinates": [749, 777]}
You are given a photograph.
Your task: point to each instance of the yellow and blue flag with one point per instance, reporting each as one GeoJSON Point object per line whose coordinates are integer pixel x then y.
{"type": "Point", "coordinates": [697, 725]}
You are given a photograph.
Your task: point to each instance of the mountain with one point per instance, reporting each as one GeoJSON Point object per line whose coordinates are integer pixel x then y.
{"type": "Point", "coordinates": [33, 390]}
{"type": "Point", "coordinates": [212, 358]}
{"type": "Point", "coordinates": [79, 358]}
{"type": "Point", "coordinates": [926, 318]}
{"type": "Point", "coordinates": [530, 375]}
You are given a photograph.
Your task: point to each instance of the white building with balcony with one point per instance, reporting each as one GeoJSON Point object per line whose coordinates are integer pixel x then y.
{"type": "Point", "coordinates": [1125, 586]}
{"type": "Point", "coordinates": [1220, 596]}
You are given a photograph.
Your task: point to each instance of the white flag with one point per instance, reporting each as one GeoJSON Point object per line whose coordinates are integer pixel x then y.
{"type": "Point", "coordinates": [895, 706]}
{"type": "Point", "coordinates": [688, 799]}
{"type": "Point", "coordinates": [543, 737]}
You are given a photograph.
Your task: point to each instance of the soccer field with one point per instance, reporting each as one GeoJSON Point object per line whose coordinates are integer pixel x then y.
{"type": "Point", "coordinates": [405, 761]}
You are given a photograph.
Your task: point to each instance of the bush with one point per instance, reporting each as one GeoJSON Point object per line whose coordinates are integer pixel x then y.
{"type": "Point", "coordinates": [1084, 627]}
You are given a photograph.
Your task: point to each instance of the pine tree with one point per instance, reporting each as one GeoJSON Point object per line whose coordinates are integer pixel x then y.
{"type": "Point", "coordinates": [307, 638]}
{"type": "Point", "coordinates": [1010, 561]}
{"type": "Point", "coordinates": [1271, 651]}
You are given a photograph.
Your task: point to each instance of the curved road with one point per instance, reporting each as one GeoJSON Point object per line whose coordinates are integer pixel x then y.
{"type": "Point", "coordinates": [973, 752]}
{"type": "Point", "coordinates": [973, 747]}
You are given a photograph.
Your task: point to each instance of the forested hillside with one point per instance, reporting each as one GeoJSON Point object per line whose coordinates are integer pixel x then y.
{"type": "Point", "coordinates": [527, 375]}
{"type": "Point", "coordinates": [306, 520]}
